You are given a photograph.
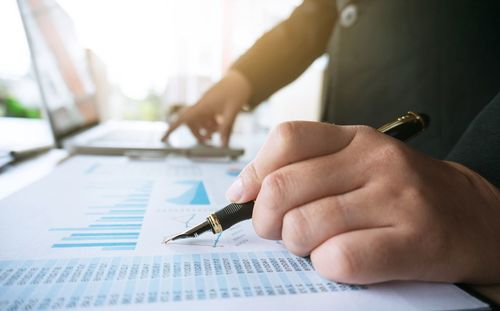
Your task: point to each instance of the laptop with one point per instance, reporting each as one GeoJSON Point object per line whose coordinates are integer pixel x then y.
{"type": "Point", "coordinates": [70, 94]}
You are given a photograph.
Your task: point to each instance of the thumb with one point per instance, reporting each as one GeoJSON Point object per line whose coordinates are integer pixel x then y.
{"type": "Point", "coordinates": [246, 187]}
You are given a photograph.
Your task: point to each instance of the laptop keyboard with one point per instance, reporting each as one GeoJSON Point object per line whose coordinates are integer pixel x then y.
{"type": "Point", "coordinates": [132, 136]}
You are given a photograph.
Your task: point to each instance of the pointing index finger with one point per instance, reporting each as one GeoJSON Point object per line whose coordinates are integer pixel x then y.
{"type": "Point", "coordinates": [172, 127]}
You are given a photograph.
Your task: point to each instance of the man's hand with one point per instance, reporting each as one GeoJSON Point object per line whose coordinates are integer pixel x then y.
{"type": "Point", "coordinates": [368, 208]}
{"type": "Point", "coordinates": [217, 109]}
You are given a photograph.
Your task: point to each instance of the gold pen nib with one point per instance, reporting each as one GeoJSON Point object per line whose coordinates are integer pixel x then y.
{"type": "Point", "coordinates": [166, 240]}
{"type": "Point", "coordinates": [176, 237]}
{"type": "Point", "coordinates": [190, 233]}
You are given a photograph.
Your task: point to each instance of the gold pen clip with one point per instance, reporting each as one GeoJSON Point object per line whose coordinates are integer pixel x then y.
{"type": "Point", "coordinates": [410, 116]}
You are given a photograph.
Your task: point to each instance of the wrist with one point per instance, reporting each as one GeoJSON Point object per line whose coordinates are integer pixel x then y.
{"type": "Point", "coordinates": [477, 181]}
{"type": "Point", "coordinates": [242, 86]}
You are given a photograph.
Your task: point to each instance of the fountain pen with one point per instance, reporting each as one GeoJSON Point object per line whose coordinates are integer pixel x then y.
{"type": "Point", "coordinates": [403, 128]}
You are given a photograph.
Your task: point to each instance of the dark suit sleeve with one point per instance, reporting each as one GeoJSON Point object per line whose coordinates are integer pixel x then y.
{"type": "Point", "coordinates": [479, 147]}
{"type": "Point", "coordinates": [286, 51]}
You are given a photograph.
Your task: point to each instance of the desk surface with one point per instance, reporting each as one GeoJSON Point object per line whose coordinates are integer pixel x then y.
{"type": "Point", "coordinates": [24, 133]}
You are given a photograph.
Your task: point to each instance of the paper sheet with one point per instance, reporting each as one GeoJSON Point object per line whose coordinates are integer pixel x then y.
{"type": "Point", "coordinates": [89, 236]}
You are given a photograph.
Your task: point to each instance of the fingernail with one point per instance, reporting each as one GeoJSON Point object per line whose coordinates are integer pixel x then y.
{"type": "Point", "coordinates": [235, 191]}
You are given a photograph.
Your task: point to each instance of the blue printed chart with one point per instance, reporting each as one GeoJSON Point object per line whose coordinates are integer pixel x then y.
{"type": "Point", "coordinates": [107, 205]}
{"type": "Point", "coordinates": [113, 227]}
{"type": "Point", "coordinates": [195, 194]}
{"type": "Point", "coordinates": [112, 281]}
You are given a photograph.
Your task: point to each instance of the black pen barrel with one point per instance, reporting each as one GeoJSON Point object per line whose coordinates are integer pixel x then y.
{"type": "Point", "coordinates": [234, 213]}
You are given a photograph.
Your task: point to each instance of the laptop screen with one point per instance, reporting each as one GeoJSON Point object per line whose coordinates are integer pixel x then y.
{"type": "Point", "coordinates": [61, 66]}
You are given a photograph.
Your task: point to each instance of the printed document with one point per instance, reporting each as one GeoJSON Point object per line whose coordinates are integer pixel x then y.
{"type": "Point", "coordinates": [89, 236]}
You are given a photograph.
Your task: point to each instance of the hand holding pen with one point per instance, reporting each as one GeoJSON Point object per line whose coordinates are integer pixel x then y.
{"type": "Point", "coordinates": [367, 208]}
{"type": "Point", "coordinates": [402, 128]}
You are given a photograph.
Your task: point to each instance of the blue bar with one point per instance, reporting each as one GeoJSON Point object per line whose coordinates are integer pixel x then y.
{"type": "Point", "coordinates": [91, 229]}
{"type": "Point", "coordinates": [138, 211]}
{"type": "Point", "coordinates": [115, 225]}
{"type": "Point", "coordinates": [119, 220]}
{"type": "Point", "coordinates": [94, 244]}
{"type": "Point", "coordinates": [119, 206]}
{"type": "Point", "coordinates": [84, 238]}
{"type": "Point", "coordinates": [116, 228]}
{"type": "Point", "coordinates": [124, 217]}
{"type": "Point", "coordinates": [131, 205]}
{"type": "Point", "coordinates": [106, 234]}
{"type": "Point", "coordinates": [135, 201]}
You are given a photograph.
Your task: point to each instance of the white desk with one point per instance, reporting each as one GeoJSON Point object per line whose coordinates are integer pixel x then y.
{"type": "Point", "coordinates": [18, 133]}
{"type": "Point", "coordinates": [15, 177]}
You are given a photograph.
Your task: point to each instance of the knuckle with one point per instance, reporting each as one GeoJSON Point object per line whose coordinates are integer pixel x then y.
{"type": "Point", "coordinates": [340, 266]}
{"type": "Point", "coordinates": [285, 134]}
{"type": "Point", "coordinates": [251, 180]}
{"type": "Point", "coordinates": [276, 184]}
{"type": "Point", "coordinates": [250, 173]}
{"type": "Point", "coordinates": [363, 134]}
{"type": "Point", "coordinates": [286, 130]}
{"type": "Point", "coordinates": [392, 156]}
{"type": "Point", "coordinates": [414, 193]}
{"type": "Point", "coordinates": [392, 152]}
{"type": "Point", "coordinates": [338, 206]}
{"type": "Point", "coordinates": [365, 130]}
{"type": "Point", "coordinates": [266, 224]}
{"type": "Point", "coordinates": [262, 229]}
{"type": "Point", "coordinates": [385, 150]}
{"type": "Point", "coordinates": [295, 232]}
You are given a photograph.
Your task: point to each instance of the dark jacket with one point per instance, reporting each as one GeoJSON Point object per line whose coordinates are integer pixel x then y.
{"type": "Point", "coordinates": [441, 57]}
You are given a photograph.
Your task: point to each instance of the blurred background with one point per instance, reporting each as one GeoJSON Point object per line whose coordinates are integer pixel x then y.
{"type": "Point", "coordinates": [153, 54]}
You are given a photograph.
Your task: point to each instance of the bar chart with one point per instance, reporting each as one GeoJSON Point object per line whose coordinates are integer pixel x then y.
{"type": "Point", "coordinates": [111, 227]}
